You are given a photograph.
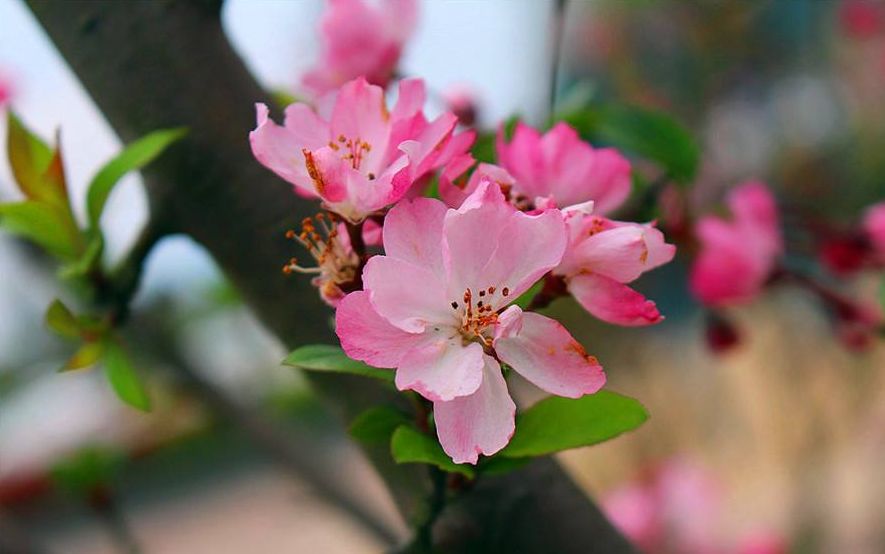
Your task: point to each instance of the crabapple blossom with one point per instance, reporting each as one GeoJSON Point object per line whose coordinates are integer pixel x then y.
{"type": "Point", "coordinates": [560, 166]}
{"type": "Point", "coordinates": [435, 307]}
{"type": "Point", "coordinates": [360, 38]}
{"type": "Point", "coordinates": [874, 226]}
{"type": "Point", "coordinates": [359, 158]}
{"type": "Point", "coordinates": [737, 256]}
{"type": "Point", "coordinates": [602, 256]}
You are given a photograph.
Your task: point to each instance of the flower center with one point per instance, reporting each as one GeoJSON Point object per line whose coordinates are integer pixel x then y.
{"type": "Point", "coordinates": [477, 313]}
{"type": "Point", "coordinates": [336, 262]}
{"type": "Point", "coordinates": [352, 150]}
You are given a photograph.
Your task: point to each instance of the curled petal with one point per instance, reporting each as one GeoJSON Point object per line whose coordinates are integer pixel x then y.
{"type": "Point", "coordinates": [612, 301]}
{"type": "Point", "coordinates": [545, 353]}
{"type": "Point", "coordinates": [625, 252]}
{"type": "Point", "coordinates": [481, 423]}
{"type": "Point", "coordinates": [441, 368]}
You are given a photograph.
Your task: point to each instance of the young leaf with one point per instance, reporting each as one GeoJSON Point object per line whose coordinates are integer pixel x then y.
{"type": "Point", "coordinates": [134, 156]}
{"type": "Point", "coordinates": [28, 157]}
{"type": "Point", "coordinates": [556, 423]}
{"type": "Point", "coordinates": [325, 357]}
{"type": "Point", "coordinates": [87, 355]}
{"type": "Point", "coordinates": [60, 319]}
{"type": "Point", "coordinates": [376, 425]}
{"type": "Point", "coordinates": [652, 135]}
{"type": "Point", "coordinates": [44, 224]}
{"type": "Point", "coordinates": [123, 377]}
{"type": "Point", "coordinates": [409, 445]}
{"type": "Point", "coordinates": [87, 261]}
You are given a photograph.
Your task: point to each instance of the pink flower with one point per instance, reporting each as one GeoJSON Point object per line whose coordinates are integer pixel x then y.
{"type": "Point", "coordinates": [737, 257]}
{"type": "Point", "coordinates": [435, 307]}
{"type": "Point", "coordinates": [5, 90]}
{"type": "Point", "coordinates": [361, 158]}
{"type": "Point", "coordinates": [361, 39]}
{"type": "Point", "coordinates": [874, 225]}
{"type": "Point", "coordinates": [560, 166]}
{"type": "Point", "coordinates": [602, 256]}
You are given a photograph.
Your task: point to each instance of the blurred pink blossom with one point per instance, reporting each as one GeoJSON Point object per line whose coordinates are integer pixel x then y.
{"type": "Point", "coordinates": [874, 225]}
{"type": "Point", "coordinates": [361, 38]}
{"type": "Point", "coordinates": [737, 257]}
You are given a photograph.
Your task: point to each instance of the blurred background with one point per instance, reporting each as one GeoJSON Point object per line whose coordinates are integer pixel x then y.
{"type": "Point", "coordinates": [778, 443]}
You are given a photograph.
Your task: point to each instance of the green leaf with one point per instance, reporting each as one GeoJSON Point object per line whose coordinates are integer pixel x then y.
{"type": "Point", "coordinates": [60, 319]}
{"type": "Point", "coordinates": [135, 156]}
{"type": "Point", "coordinates": [557, 423]}
{"type": "Point", "coordinates": [526, 298]}
{"type": "Point", "coordinates": [87, 355]}
{"type": "Point", "coordinates": [499, 465]}
{"type": "Point", "coordinates": [409, 445]}
{"type": "Point", "coordinates": [376, 425]}
{"type": "Point", "coordinates": [90, 467]}
{"type": "Point", "coordinates": [123, 376]}
{"type": "Point", "coordinates": [87, 261]}
{"type": "Point", "coordinates": [44, 224]}
{"type": "Point", "coordinates": [284, 98]}
{"type": "Point", "coordinates": [325, 357]}
{"type": "Point", "coordinates": [650, 134]}
{"type": "Point", "coordinates": [28, 157]}
{"type": "Point", "coordinates": [484, 146]}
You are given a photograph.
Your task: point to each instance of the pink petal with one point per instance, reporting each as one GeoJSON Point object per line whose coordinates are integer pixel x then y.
{"type": "Point", "coordinates": [367, 336]}
{"type": "Point", "coordinates": [410, 99]}
{"type": "Point", "coordinates": [731, 266]}
{"type": "Point", "coordinates": [481, 423]}
{"type": "Point", "coordinates": [546, 354]}
{"type": "Point", "coordinates": [624, 253]}
{"type": "Point", "coordinates": [523, 158]}
{"type": "Point", "coordinates": [280, 148]}
{"type": "Point", "coordinates": [874, 225]}
{"type": "Point", "coordinates": [413, 232]}
{"type": "Point", "coordinates": [408, 296]}
{"type": "Point", "coordinates": [489, 243]}
{"type": "Point", "coordinates": [612, 301]}
{"type": "Point", "coordinates": [442, 368]}
{"type": "Point", "coordinates": [360, 114]}
{"type": "Point", "coordinates": [423, 152]}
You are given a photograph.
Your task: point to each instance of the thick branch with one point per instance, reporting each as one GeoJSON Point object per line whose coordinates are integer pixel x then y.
{"type": "Point", "coordinates": [152, 64]}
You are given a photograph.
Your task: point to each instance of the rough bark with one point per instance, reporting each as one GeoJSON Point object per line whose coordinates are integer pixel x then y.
{"type": "Point", "coordinates": [165, 63]}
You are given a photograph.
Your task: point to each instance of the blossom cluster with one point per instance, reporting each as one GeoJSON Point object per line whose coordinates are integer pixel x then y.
{"type": "Point", "coordinates": [438, 303]}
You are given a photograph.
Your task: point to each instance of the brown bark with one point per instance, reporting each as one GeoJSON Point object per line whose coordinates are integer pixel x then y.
{"type": "Point", "coordinates": [165, 63]}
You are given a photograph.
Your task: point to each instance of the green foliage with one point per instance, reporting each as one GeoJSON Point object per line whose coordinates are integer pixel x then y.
{"type": "Point", "coordinates": [325, 357]}
{"type": "Point", "coordinates": [376, 425]}
{"type": "Point", "coordinates": [882, 293]}
{"type": "Point", "coordinates": [60, 319]}
{"type": "Point", "coordinates": [123, 376]}
{"type": "Point", "coordinates": [135, 156]}
{"type": "Point", "coordinates": [43, 224]}
{"type": "Point", "coordinates": [649, 134]}
{"type": "Point", "coordinates": [87, 355]}
{"type": "Point", "coordinates": [87, 469]}
{"type": "Point", "coordinates": [409, 445]}
{"type": "Point", "coordinates": [526, 298]}
{"type": "Point", "coordinates": [556, 423]}
{"type": "Point", "coordinates": [484, 147]}
{"type": "Point", "coordinates": [28, 157]}
{"type": "Point", "coordinates": [499, 465]}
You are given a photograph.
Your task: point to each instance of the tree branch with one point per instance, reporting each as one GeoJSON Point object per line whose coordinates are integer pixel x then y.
{"type": "Point", "coordinates": [157, 64]}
